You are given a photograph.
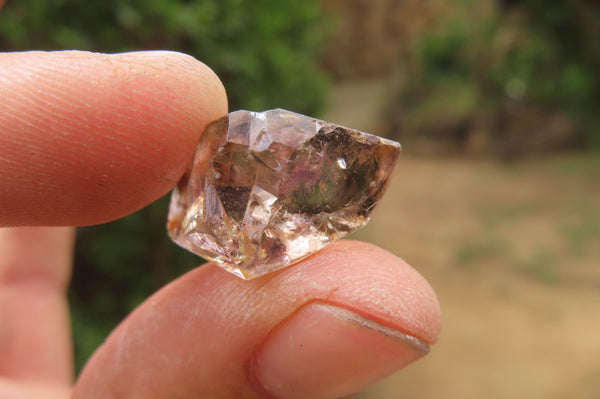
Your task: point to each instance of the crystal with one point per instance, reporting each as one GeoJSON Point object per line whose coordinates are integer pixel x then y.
{"type": "Point", "coordinates": [267, 189]}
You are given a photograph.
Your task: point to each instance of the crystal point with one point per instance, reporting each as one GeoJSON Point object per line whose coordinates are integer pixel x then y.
{"type": "Point", "coordinates": [266, 189]}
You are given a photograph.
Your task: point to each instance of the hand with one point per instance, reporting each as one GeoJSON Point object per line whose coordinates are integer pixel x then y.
{"type": "Point", "coordinates": [87, 138]}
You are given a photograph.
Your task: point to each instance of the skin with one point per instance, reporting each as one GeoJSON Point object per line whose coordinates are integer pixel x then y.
{"type": "Point", "coordinates": [87, 138]}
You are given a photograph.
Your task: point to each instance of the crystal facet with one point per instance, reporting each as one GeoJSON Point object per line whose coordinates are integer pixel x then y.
{"type": "Point", "coordinates": [267, 189]}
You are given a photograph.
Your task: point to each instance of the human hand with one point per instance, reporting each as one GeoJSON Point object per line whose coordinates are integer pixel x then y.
{"type": "Point", "coordinates": [87, 138]}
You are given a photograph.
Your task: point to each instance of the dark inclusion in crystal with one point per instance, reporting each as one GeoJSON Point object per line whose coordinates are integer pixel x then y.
{"type": "Point", "coordinates": [267, 189]}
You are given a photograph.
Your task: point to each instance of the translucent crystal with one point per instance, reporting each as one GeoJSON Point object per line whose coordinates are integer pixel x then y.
{"type": "Point", "coordinates": [267, 189]}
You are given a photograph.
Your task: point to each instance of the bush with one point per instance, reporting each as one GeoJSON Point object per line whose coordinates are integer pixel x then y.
{"type": "Point", "coordinates": [264, 52]}
{"type": "Point", "coordinates": [524, 76]}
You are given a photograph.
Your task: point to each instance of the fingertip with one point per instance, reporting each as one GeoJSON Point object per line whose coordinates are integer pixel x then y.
{"type": "Point", "coordinates": [375, 283]}
{"type": "Point", "coordinates": [186, 81]}
{"type": "Point", "coordinates": [324, 351]}
{"type": "Point", "coordinates": [88, 137]}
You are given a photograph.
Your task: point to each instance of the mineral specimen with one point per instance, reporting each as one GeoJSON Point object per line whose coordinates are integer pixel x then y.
{"type": "Point", "coordinates": [266, 189]}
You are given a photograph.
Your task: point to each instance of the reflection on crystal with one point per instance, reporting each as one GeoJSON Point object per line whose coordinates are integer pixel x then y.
{"type": "Point", "coordinates": [267, 189]}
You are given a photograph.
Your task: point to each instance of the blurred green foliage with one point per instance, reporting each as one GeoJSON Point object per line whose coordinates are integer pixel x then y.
{"type": "Point", "coordinates": [573, 26]}
{"type": "Point", "coordinates": [504, 64]}
{"type": "Point", "coordinates": [265, 52]}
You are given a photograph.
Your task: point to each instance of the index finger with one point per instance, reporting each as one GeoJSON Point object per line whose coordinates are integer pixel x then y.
{"type": "Point", "coordinates": [86, 138]}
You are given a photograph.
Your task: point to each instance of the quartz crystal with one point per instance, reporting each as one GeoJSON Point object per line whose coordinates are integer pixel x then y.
{"type": "Point", "coordinates": [266, 189]}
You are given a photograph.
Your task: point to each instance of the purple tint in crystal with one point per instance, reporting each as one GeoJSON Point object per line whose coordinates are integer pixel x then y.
{"type": "Point", "coordinates": [267, 189]}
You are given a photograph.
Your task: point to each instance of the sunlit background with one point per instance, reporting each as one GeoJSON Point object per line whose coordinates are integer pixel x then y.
{"type": "Point", "coordinates": [496, 199]}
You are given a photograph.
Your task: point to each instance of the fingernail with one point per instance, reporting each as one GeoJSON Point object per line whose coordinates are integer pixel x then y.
{"type": "Point", "coordinates": [324, 351]}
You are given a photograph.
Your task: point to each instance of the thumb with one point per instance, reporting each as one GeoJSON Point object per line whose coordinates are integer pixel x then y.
{"type": "Point", "coordinates": [325, 328]}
